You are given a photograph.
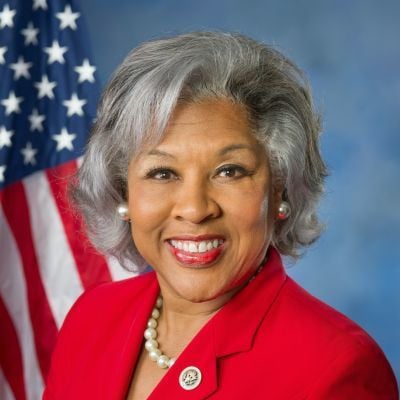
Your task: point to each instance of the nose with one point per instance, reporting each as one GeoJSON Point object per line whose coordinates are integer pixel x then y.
{"type": "Point", "coordinates": [195, 203]}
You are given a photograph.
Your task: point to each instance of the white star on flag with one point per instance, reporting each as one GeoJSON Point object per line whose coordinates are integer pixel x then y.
{"type": "Point", "coordinates": [85, 71]}
{"type": "Point", "coordinates": [45, 87]}
{"type": "Point", "coordinates": [21, 68]}
{"type": "Point", "coordinates": [41, 140]}
{"type": "Point", "coordinates": [68, 18]}
{"type": "Point", "coordinates": [64, 140]}
{"type": "Point", "coordinates": [2, 52]}
{"type": "Point", "coordinates": [5, 137]}
{"type": "Point", "coordinates": [74, 105]}
{"type": "Point", "coordinates": [39, 4]}
{"type": "Point", "coordinates": [12, 103]}
{"type": "Point", "coordinates": [29, 154]}
{"type": "Point", "coordinates": [55, 52]}
{"type": "Point", "coordinates": [36, 121]}
{"type": "Point", "coordinates": [6, 17]}
{"type": "Point", "coordinates": [2, 170]}
{"type": "Point", "coordinates": [30, 33]}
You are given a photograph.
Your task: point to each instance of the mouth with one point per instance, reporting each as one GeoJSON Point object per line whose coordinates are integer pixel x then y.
{"type": "Point", "coordinates": [196, 251]}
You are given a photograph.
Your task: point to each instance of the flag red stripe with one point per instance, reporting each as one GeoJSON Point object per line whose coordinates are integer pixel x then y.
{"type": "Point", "coordinates": [10, 354]}
{"type": "Point", "coordinates": [16, 211]}
{"type": "Point", "coordinates": [92, 267]}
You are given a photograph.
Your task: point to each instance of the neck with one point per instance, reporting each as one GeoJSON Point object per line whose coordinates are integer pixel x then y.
{"type": "Point", "coordinates": [181, 314]}
{"type": "Point", "coordinates": [181, 318]}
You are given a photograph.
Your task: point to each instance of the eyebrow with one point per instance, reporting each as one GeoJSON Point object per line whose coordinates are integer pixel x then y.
{"type": "Point", "coordinates": [161, 153]}
{"type": "Point", "coordinates": [235, 147]}
{"type": "Point", "coordinates": [222, 152]}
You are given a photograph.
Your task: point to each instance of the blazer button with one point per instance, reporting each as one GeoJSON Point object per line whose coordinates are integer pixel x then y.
{"type": "Point", "coordinates": [190, 378]}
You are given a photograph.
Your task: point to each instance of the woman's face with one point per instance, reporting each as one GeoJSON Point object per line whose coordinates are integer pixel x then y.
{"type": "Point", "coordinates": [201, 202]}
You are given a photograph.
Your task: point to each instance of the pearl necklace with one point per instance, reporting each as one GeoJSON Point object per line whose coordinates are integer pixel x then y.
{"type": "Point", "coordinates": [150, 334]}
{"type": "Point", "coordinates": [151, 344]}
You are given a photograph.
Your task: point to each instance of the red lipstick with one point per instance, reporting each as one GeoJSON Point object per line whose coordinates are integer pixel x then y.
{"type": "Point", "coordinates": [200, 259]}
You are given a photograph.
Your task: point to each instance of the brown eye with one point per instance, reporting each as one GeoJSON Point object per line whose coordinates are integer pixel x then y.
{"type": "Point", "coordinates": [162, 174]}
{"type": "Point", "coordinates": [231, 171]}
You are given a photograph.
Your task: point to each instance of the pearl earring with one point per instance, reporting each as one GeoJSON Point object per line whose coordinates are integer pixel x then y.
{"type": "Point", "coordinates": [123, 211]}
{"type": "Point", "coordinates": [283, 210]}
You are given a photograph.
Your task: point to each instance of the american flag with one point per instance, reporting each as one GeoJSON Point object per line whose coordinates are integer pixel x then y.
{"type": "Point", "coordinates": [48, 93]}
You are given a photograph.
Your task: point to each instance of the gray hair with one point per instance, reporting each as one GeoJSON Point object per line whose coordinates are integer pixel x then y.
{"type": "Point", "coordinates": [138, 103]}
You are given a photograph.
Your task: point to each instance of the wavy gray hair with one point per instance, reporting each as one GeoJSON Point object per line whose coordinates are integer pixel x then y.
{"type": "Point", "coordinates": [138, 103]}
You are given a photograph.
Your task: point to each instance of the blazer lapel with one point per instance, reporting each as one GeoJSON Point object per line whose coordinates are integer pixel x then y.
{"type": "Point", "coordinates": [230, 331]}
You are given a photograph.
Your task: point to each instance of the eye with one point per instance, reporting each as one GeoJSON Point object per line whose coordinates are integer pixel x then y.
{"type": "Point", "coordinates": [161, 174]}
{"type": "Point", "coordinates": [232, 171]}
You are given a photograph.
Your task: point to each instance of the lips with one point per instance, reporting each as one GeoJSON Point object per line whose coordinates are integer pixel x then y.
{"type": "Point", "coordinates": [196, 251]}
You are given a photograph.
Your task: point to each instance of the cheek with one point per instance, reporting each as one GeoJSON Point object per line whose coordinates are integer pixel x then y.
{"type": "Point", "coordinates": [147, 207]}
{"type": "Point", "coordinates": [249, 210]}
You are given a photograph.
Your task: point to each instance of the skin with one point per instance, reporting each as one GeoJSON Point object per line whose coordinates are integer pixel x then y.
{"type": "Point", "coordinates": [209, 175]}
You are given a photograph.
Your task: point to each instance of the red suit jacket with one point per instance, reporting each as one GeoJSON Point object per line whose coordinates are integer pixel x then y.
{"type": "Point", "coordinates": [272, 340]}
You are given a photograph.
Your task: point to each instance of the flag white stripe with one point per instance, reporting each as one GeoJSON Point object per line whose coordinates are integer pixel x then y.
{"type": "Point", "coordinates": [13, 292]}
{"type": "Point", "coordinates": [117, 271]}
{"type": "Point", "coordinates": [57, 266]}
{"type": "Point", "coordinates": [5, 390]}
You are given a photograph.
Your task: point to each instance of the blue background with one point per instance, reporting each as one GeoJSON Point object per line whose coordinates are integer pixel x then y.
{"type": "Point", "coordinates": [351, 54]}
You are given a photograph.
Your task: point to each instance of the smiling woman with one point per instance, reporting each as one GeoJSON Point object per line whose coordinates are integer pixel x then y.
{"type": "Point", "coordinates": [207, 146]}
{"type": "Point", "coordinates": [213, 191]}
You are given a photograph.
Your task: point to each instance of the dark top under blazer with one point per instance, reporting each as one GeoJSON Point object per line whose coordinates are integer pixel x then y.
{"type": "Point", "coordinates": [272, 340]}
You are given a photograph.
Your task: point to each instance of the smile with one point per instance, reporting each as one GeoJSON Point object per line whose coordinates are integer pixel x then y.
{"type": "Point", "coordinates": [196, 253]}
{"type": "Point", "coordinates": [196, 247]}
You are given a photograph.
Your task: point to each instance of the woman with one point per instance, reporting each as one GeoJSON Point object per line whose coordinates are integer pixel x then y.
{"type": "Point", "coordinates": [204, 164]}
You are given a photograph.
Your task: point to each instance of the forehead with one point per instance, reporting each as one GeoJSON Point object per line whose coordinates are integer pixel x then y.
{"type": "Point", "coordinates": [211, 124]}
{"type": "Point", "coordinates": [223, 113]}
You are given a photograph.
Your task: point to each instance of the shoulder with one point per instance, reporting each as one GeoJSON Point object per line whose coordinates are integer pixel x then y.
{"type": "Point", "coordinates": [311, 313]}
{"type": "Point", "coordinates": [106, 308]}
{"type": "Point", "coordinates": [103, 299]}
{"type": "Point", "coordinates": [117, 289]}
{"type": "Point", "coordinates": [328, 350]}
{"type": "Point", "coordinates": [319, 321]}
{"type": "Point", "coordinates": [98, 325]}
{"type": "Point", "coordinates": [329, 331]}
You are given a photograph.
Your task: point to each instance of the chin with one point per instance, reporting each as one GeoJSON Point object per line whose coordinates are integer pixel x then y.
{"type": "Point", "coordinates": [206, 292]}
{"type": "Point", "coordinates": [199, 296]}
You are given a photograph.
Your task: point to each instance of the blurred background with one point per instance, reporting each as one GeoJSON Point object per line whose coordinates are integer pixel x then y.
{"type": "Point", "coordinates": [351, 54]}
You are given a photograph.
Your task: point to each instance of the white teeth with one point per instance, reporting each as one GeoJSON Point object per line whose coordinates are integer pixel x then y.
{"type": "Point", "coordinates": [202, 247]}
{"type": "Point", "coordinates": [196, 247]}
{"type": "Point", "coordinates": [193, 247]}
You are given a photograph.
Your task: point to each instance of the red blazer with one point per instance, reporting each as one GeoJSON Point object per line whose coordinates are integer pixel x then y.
{"type": "Point", "coordinates": [272, 340]}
